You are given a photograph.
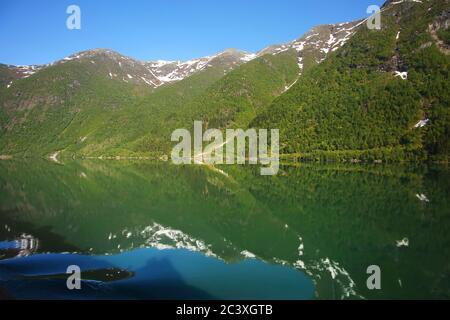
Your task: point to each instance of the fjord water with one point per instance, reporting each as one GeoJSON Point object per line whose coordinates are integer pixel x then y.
{"type": "Point", "coordinates": [155, 230]}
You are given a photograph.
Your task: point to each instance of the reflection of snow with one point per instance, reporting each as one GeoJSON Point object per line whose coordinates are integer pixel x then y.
{"type": "Point", "coordinates": [299, 264]}
{"type": "Point", "coordinates": [300, 247]}
{"type": "Point", "coordinates": [111, 236]}
{"type": "Point", "coordinates": [339, 275]}
{"type": "Point", "coordinates": [315, 270]}
{"type": "Point", "coordinates": [402, 243]}
{"type": "Point", "coordinates": [248, 254]}
{"type": "Point", "coordinates": [161, 237]}
{"type": "Point", "coordinates": [281, 261]}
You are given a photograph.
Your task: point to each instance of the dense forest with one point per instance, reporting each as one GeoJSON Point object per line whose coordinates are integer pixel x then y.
{"type": "Point", "coordinates": [355, 104]}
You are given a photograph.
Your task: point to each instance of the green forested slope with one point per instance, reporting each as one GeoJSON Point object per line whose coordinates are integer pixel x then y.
{"type": "Point", "coordinates": [232, 101]}
{"type": "Point", "coordinates": [74, 108]}
{"type": "Point", "coordinates": [353, 105]}
{"type": "Point", "coordinates": [38, 110]}
{"type": "Point", "coordinates": [354, 101]}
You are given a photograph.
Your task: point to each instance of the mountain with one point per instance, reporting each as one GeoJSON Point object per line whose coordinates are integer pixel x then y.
{"type": "Point", "coordinates": [170, 71]}
{"type": "Point", "coordinates": [340, 92]}
{"type": "Point", "coordinates": [9, 73]}
{"type": "Point", "coordinates": [123, 68]}
{"type": "Point", "coordinates": [384, 95]}
{"type": "Point", "coordinates": [93, 103]}
{"type": "Point", "coordinates": [86, 92]}
{"type": "Point", "coordinates": [314, 46]}
{"type": "Point", "coordinates": [84, 104]}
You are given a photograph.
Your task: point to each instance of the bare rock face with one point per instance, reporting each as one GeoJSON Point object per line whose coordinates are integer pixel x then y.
{"type": "Point", "coordinates": [442, 22]}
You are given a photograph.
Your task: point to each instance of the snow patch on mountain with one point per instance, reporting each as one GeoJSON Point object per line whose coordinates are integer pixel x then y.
{"type": "Point", "coordinates": [248, 57]}
{"type": "Point", "coordinates": [403, 75]}
{"type": "Point", "coordinates": [317, 43]}
{"type": "Point", "coordinates": [422, 123]}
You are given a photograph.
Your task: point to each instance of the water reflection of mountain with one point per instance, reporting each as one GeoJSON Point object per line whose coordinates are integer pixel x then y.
{"type": "Point", "coordinates": [331, 221]}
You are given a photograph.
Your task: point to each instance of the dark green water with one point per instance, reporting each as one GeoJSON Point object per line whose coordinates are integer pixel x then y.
{"type": "Point", "coordinates": [199, 232]}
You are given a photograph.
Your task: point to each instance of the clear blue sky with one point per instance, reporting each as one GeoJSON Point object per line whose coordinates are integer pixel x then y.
{"type": "Point", "coordinates": [34, 31]}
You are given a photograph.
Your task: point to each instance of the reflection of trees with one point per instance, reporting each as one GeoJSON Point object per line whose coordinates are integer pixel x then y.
{"type": "Point", "coordinates": [352, 214]}
{"type": "Point", "coordinates": [355, 214]}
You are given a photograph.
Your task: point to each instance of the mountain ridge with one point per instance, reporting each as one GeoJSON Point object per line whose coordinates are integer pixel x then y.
{"type": "Point", "coordinates": [329, 37]}
{"type": "Point", "coordinates": [341, 91]}
{"type": "Point", "coordinates": [384, 96]}
{"type": "Point", "coordinates": [160, 72]}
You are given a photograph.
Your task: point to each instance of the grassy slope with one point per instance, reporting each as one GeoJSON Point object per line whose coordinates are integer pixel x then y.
{"type": "Point", "coordinates": [38, 110]}
{"type": "Point", "coordinates": [76, 109]}
{"type": "Point", "coordinates": [231, 101]}
{"type": "Point", "coordinates": [75, 105]}
{"type": "Point", "coordinates": [145, 116]}
{"type": "Point", "coordinates": [6, 75]}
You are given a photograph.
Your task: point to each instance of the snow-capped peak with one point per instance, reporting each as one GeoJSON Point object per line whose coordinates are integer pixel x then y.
{"type": "Point", "coordinates": [318, 42]}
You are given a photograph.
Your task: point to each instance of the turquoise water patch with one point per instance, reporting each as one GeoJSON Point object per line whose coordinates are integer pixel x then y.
{"type": "Point", "coordinates": [153, 274]}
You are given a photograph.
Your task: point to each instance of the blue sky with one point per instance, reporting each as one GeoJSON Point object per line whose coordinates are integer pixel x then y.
{"type": "Point", "coordinates": [34, 32]}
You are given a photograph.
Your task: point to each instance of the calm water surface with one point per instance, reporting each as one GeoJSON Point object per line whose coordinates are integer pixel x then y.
{"type": "Point", "coordinates": [141, 230]}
